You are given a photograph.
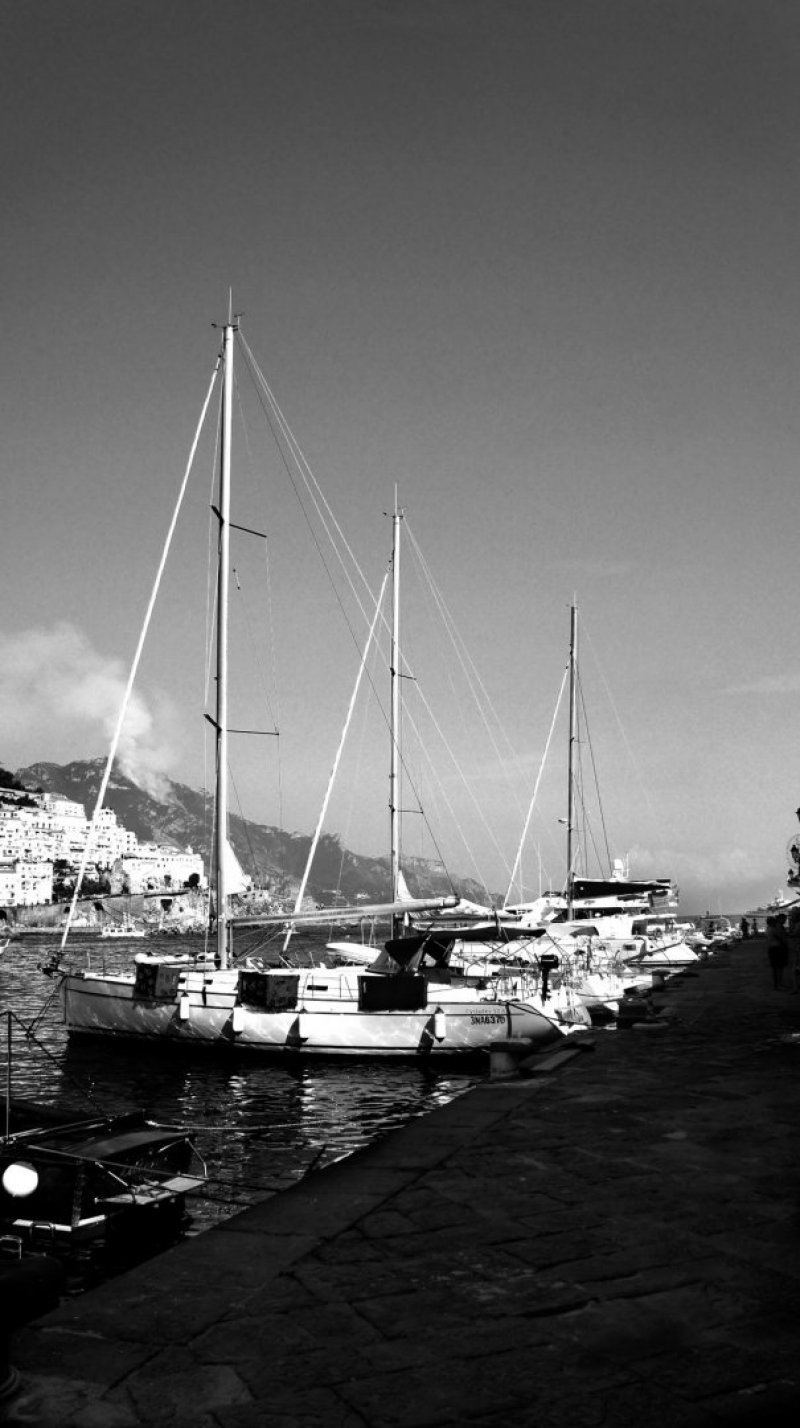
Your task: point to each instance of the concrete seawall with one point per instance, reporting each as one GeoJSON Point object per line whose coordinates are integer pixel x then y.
{"type": "Point", "coordinates": [617, 1243]}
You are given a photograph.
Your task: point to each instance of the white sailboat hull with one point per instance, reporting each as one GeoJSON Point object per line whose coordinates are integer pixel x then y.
{"type": "Point", "coordinates": [326, 1020]}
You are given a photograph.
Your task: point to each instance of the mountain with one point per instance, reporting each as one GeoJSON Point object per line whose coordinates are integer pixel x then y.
{"type": "Point", "coordinates": [271, 856]}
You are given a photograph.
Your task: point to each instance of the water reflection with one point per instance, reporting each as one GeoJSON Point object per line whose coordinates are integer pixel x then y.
{"type": "Point", "coordinates": [259, 1124]}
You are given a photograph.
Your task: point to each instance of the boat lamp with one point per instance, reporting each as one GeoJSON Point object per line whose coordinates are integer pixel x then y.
{"type": "Point", "coordinates": [20, 1179]}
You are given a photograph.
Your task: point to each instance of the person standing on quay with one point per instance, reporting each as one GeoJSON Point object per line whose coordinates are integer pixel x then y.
{"type": "Point", "coordinates": [794, 947]}
{"type": "Point", "coordinates": [777, 948]}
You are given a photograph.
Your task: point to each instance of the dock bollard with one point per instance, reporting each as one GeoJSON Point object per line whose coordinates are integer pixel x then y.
{"type": "Point", "coordinates": [29, 1287]}
{"type": "Point", "coordinates": [505, 1055]}
{"type": "Point", "coordinates": [634, 1007]}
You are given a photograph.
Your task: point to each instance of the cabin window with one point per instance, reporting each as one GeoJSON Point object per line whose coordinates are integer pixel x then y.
{"type": "Point", "coordinates": [401, 992]}
{"type": "Point", "coordinates": [156, 981]}
{"type": "Point", "coordinates": [271, 991]}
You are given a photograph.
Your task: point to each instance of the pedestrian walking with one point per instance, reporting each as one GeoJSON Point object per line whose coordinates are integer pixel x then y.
{"type": "Point", "coordinates": [777, 948]}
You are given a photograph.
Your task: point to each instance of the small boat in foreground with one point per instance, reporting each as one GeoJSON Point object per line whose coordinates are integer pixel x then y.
{"type": "Point", "coordinates": [69, 1180]}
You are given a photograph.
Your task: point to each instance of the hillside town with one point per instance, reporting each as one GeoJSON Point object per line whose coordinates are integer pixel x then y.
{"type": "Point", "coordinates": [43, 840]}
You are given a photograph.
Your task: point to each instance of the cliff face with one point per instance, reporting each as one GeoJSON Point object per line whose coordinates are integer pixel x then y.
{"type": "Point", "coordinates": [270, 855]}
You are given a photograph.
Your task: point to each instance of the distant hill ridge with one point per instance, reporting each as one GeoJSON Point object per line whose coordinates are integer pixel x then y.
{"type": "Point", "coordinates": [270, 855]}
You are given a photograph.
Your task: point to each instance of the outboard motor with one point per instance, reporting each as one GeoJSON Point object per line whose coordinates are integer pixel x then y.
{"type": "Point", "coordinates": [548, 963]}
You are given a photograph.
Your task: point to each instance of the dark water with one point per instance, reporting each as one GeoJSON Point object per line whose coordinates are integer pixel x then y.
{"type": "Point", "coordinates": [258, 1123]}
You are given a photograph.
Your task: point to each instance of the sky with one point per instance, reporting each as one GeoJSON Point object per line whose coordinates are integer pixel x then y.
{"type": "Point", "coordinates": [533, 263]}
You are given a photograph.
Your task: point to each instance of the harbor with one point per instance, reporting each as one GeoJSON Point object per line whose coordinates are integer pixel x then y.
{"type": "Point", "coordinates": [400, 449]}
{"type": "Point", "coordinates": [612, 1241]}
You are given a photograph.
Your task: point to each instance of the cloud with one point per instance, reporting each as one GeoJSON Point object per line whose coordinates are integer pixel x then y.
{"type": "Point", "coordinates": [768, 684]}
{"type": "Point", "coordinates": [59, 698]}
{"type": "Point", "coordinates": [730, 874]}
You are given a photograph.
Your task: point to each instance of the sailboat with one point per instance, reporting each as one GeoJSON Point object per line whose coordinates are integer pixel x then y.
{"type": "Point", "coordinates": [600, 938]}
{"type": "Point", "coordinates": [408, 1003]}
{"type": "Point", "coordinates": [624, 929]}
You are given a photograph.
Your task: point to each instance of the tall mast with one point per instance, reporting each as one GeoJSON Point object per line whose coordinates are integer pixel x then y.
{"type": "Point", "coordinates": [394, 784]}
{"type": "Point", "coordinates": [573, 654]}
{"type": "Point", "coordinates": [223, 578]}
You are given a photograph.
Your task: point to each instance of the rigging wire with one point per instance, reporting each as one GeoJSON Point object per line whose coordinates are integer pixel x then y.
{"type": "Point", "coordinates": [329, 523]}
{"type": "Point", "coordinates": [252, 644]}
{"type": "Point", "coordinates": [535, 793]}
{"type": "Point", "coordinates": [271, 409]}
{"type": "Point", "coordinates": [625, 739]}
{"type": "Point", "coordinates": [471, 673]}
{"type": "Point", "coordinates": [136, 659]}
{"type": "Point", "coordinates": [469, 792]}
{"type": "Point", "coordinates": [257, 663]}
{"type": "Point", "coordinates": [285, 439]}
{"type": "Point", "coordinates": [30, 1035]}
{"type": "Point", "coordinates": [317, 831]}
{"type": "Point", "coordinates": [596, 779]}
{"type": "Point", "coordinates": [354, 782]}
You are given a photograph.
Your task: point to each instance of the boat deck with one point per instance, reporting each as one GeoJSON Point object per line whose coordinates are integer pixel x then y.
{"type": "Point", "coordinates": [614, 1243]}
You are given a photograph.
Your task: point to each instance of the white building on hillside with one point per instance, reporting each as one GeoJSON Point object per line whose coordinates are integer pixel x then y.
{"type": "Point", "coordinates": [155, 867]}
{"type": "Point", "coordinates": [40, 829]}
{"type": "Point", "coordinates": [69, 824]}
{"type": "Point", "coordinates": [25, 883]}
{"type": "Point", "coordinates": [38, 826]}
{"type": "Point", "coordinates": [110, 840]}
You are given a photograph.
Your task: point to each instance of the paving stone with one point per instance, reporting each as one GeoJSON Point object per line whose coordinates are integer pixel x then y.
{"type": "Point", "coordinates": [325, 1211]}
{"type": "Point", "coordinates": [319, 1367]}
{"type": "Point", "coordinates": [78, 1355]}
{"type": "Point", "coordinates": [338, 1323]}
{"type": "Point", "coordinates": [48, 1400]}
{"type": "Point", "coordinates": [709, 1369]}
{"type": "Point", "coordinates": [633, 1406]}
{"type": "Point", "coordinates": [768, 1249]}
{"type": "Point", "coordinates": [566, 1248]}
{"type": "Point", "coordinates": [393, 1314]}
{"type": "Point", "coordinates": [427, 1396]}
{"type": "Point", "coordinates": [776, 1404]}
{"type": "Point", "coordinates": [609, 1277]}
{"type": "Point", "coordinates": [169, 1385]}
{"type": "Point", "coordinates": [241, 1340]}
{"type": "Point", "coordinates": [384, 1224]}
{"type": "Point", "coordinates": [355, 1280]}
{"type": "Point", "coordinates": [297, 1406]}
{"type": "Point", "coordinates": [352, 1247]}
{"type": "Point", "coordinates": [437, 1214]}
